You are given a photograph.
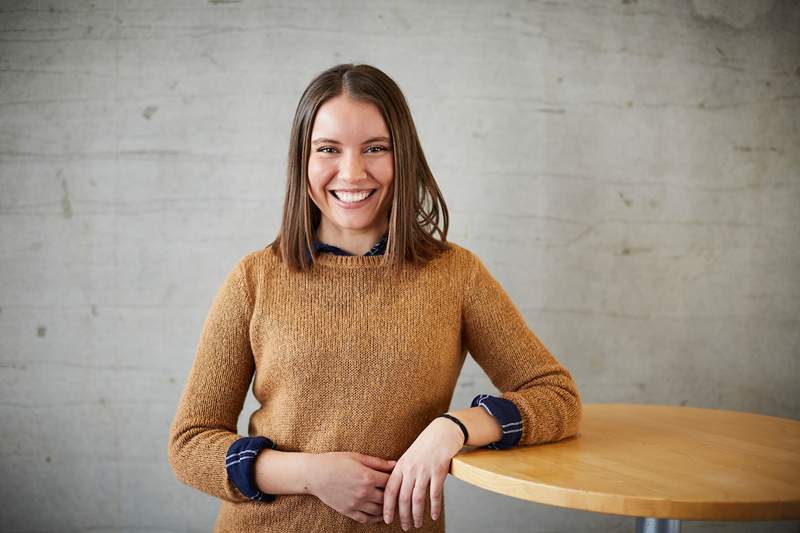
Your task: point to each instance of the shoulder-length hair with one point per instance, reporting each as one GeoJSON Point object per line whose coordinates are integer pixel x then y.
{"type": "Point", "coordinates": [417, 200]}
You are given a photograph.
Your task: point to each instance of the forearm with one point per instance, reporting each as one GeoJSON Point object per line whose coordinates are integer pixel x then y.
{"type": "Point", "coordinates": [278, 472]}
{"type": "Point", "coordinates": [482, 427]}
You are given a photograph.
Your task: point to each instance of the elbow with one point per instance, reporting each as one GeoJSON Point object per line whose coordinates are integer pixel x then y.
{"type": "Point", "coordinates": [568, 405]}
{"type": "Point", "coordinates": [571, 407]}
{"type": "Point", "coordinates": [550, 413]}
{"type": "Point", "coordinates": [176, 453]}
{"type": "Point", "coordinates": [574, 409]}
{"type": "Point", "coordinates": [195, 455]}
{"type": "Point", "coordinates": [566, 408]}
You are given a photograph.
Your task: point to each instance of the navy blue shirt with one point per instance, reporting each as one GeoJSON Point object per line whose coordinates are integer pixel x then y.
{"type": "Point", "coordinates": [241, 456]}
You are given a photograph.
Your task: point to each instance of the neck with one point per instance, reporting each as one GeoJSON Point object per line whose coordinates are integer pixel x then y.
{"type": "Point", "coordinates": [357, 242]}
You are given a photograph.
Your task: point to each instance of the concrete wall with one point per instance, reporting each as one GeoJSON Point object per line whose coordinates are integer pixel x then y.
{"type": "Point", "coordinates": [628, 170]}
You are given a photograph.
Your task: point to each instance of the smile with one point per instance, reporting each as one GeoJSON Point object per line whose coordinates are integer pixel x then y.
{"type": "Point", "coordinates": [350, 200]}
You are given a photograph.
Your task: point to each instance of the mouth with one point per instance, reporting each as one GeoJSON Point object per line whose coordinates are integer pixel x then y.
{"type": "Point", "coordinates": [352, 199]}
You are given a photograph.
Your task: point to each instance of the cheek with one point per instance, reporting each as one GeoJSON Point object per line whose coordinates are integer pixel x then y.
{"type": "Point", "coordinates": [384, 171]}
{"type": "Point", "coordinates": [317, 175]}
{"type": "Point", "coordinates": [314, 169]}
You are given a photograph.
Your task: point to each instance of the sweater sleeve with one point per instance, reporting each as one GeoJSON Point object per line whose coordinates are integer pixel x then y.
{"type": "Point", "coordinates": [204, 427]}
{"type": "Point", "coordinates": [516, 361]}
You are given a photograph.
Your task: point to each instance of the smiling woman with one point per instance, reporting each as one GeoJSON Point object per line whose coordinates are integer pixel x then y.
{"type": "Point", "coordinates": [351, 173]}
{"type": "Point", "coordinates": [353, 131]}
{"type": "Point", "coordinates": [353, 326]}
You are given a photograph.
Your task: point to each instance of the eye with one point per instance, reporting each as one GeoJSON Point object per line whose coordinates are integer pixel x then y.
{"type": "Point", "coordinates": [382, 148]}
{"type": "Point", "coordinates": [324, 149]}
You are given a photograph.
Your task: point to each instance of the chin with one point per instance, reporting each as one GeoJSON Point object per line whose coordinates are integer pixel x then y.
{"type": "Point", "coordinates": [352, 226]}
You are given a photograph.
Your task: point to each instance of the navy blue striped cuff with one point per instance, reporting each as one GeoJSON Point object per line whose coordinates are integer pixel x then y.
{"type": "Point", "coordinates": [240, 464]}
{"type": "Point", "coordinates": [506, 414]}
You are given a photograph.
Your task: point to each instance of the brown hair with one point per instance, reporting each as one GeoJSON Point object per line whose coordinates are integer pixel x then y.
{"type": "Point", "coordinates": [417, 200]}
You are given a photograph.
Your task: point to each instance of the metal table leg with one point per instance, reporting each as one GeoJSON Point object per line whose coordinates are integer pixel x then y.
{"type": "Point", "coordinates": [658, 525]}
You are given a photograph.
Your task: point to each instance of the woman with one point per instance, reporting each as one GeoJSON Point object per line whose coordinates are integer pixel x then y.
{"type": "Point", "coordinates": [355, 322]}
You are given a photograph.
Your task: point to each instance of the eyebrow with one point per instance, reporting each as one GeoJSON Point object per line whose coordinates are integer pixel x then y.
{"type": "Point", "coordinates": [333, 141]}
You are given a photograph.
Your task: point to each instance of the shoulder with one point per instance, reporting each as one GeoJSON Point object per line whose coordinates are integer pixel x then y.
{"type": "Point", "coordinates": [256, 266]}
{"type": "Point", "coordinates": [259, 259]}
{"type": "Point", "coordinates": [469, 267]}
{"type": "Point", "coordinates": [461, 254]}
{"type": "Point", "coordinates": [458, 259]}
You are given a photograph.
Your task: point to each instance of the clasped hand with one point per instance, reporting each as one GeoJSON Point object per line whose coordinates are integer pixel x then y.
{"type": "Point", "coordinates": [363, 487]}
{"type": "Point", "coordinates": [424, 465]}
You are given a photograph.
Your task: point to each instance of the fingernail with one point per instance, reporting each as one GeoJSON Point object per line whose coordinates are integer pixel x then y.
{"type": "Point", "coordinates": [405, 527]}
{"type": "Point", "coordinates": [386, 518]}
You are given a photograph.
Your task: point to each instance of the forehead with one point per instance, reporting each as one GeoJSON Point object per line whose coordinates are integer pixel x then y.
{"type": "Point", "coordinates": [345, 119]}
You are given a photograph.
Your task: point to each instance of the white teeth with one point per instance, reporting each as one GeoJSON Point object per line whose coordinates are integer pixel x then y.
{"type": "Point", "coordinates": [352, 197]}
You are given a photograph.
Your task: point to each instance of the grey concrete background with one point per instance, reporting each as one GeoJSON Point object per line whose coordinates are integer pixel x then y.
{"type": "Point", "coordinates": [628, 170]}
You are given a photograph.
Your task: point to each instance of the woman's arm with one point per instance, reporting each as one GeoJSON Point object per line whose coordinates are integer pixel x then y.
{"type": "Point", "coordinates": [204, 426]}
{"type": "Point", "coordinates": [518, 364]}
{"type": "Point", "coordinates": [516, 361]}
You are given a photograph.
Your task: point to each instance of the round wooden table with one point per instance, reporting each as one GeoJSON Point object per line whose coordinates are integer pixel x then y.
{"type": "Point", "coordinates": [659, 463]}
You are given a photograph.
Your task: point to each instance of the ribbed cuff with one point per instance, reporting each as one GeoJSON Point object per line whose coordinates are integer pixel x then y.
{"type": "Point", "coordinates": [506, 414]}
{"type": "Point", "coordinates": [240, 464]}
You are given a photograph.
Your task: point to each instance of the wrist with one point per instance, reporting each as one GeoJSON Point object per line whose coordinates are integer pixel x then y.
{"type": "Point", "coordinates": [309, 466]}
{"type": "Point", "coordinates": [483, 428]}
{"type": "Point", "coordinates": [451, 428]}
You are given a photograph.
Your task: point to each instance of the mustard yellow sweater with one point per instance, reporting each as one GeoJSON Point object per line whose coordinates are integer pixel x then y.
{"type": "Point", "coordinates": [349, 358]}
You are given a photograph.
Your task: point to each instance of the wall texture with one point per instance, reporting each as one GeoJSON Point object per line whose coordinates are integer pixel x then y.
{"type": "Point", "coordinates": [628, 170]}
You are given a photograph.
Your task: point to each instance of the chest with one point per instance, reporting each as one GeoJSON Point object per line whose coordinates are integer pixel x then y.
{"type": "Point", "coordinates": [358, 327]}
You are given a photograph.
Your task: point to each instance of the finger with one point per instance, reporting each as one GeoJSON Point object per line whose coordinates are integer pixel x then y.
{"type": "Point", "coordinates": [372, 509]}
{"type": "Point", "coordinates": [362, 518]}
{"type": "Point", "coordinates": [418, 499]}
{"type": "Point", "coordinates": [375, 519]}
{"type": "Point", "coordinates": [377, 496]}
{"type": "Point", "coordinates": [390, 496]}
{"type": "Point", "coordinates": [437, 490]}
{"type": "Point", "coordinates": [376, 463]}
{"type": "Point", "coordinates": [380, 479]}
{"type": "Point", "coordinates": [404, 502]}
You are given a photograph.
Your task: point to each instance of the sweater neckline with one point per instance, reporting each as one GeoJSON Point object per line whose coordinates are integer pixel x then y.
{"type": "Point", "coordinates": [349, 261]}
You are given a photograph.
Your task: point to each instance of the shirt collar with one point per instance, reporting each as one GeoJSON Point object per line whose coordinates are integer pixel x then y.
{"type": "Point", "coordinates": [378, 249]}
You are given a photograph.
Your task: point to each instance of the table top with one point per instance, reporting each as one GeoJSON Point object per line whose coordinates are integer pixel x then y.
{"type": "Point", "coordinates": [655, 461]}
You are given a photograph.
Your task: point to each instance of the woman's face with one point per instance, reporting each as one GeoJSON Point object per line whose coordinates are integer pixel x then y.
{"type": "Point", "coordinates": [351, 150]}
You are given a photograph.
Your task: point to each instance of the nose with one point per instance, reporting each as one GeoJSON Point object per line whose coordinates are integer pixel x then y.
{"type": "Point", "coordinates": [352, 167]}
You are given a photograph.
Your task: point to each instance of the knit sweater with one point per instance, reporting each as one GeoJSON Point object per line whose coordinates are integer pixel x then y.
{"type": "Point", "coordinates": [348, 357]}
{"type": "Point", "coordinates": [504, 411]}
{"type": "Point", "coordinates": [240, 459]}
